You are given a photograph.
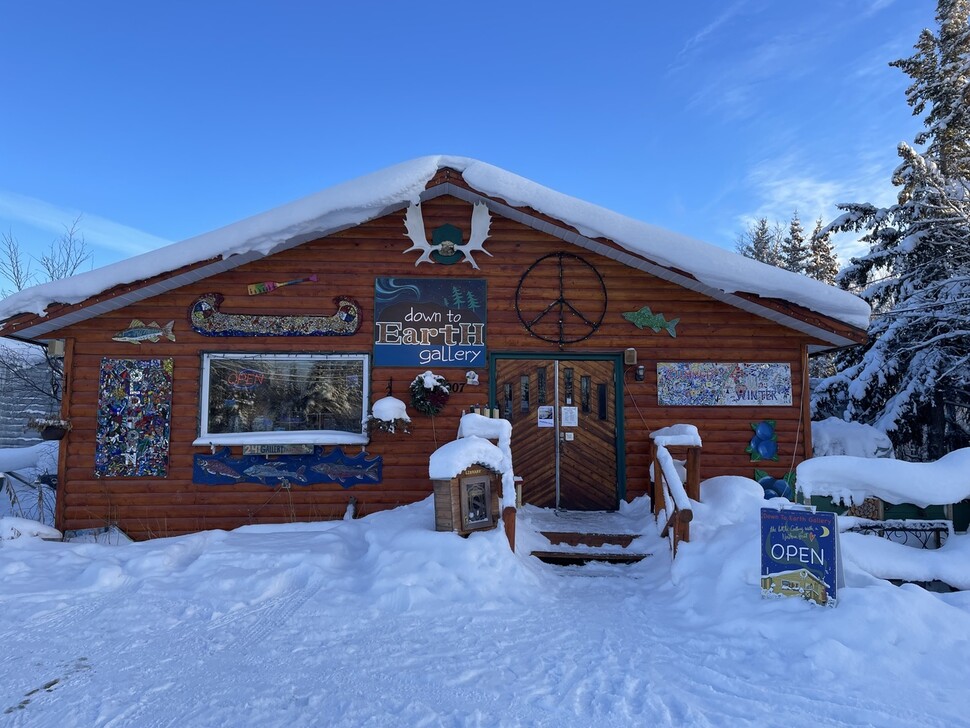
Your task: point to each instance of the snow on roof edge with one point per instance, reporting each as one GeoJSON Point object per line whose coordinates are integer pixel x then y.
{"type": "Point", "coordinates": [359, 200]}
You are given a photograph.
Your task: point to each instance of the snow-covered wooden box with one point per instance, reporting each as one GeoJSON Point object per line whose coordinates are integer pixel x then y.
{"type": "Point", "coordinates": [468, 502]}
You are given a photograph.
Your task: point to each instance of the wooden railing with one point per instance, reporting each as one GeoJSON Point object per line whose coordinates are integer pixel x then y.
{"type": "Point", "coordinates": [671, 496]}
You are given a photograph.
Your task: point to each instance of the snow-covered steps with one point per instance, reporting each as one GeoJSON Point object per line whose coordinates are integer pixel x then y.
{"type": "Point", "coordinates": [573, 538]}
{"type": "Point", "coordinates": [577, 558]}
{"type": "Point", "coordinates": [588, 547]}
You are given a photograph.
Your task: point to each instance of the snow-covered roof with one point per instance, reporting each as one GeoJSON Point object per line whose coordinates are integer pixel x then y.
{"type": "Point", "coordinates": [368, 197]}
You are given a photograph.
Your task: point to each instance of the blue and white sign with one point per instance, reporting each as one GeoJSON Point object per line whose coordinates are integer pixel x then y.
{"type": "Point", "coordinates": [429, 322]}
{"type": "Point", "coordinates": [800, 555]}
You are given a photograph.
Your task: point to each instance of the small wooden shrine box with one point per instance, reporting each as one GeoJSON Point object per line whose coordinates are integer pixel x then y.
{"type": "Point", "coordinates": [468, 502]}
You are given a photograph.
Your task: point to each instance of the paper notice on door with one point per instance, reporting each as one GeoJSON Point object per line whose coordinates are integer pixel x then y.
{"type": "Point", "coordinates": [570, 416]}
{"type": "Point", "coordinates": [547, 416]}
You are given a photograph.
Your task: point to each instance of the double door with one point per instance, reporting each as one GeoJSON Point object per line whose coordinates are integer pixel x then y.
{"type": "Point", "coordinates": [564, 433]}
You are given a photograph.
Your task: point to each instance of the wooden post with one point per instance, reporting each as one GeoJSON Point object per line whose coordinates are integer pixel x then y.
{"type": "Point", "coordinates": [805, 398]}
{"type": "Point", "coordinates": [694, 473]}
{"type": "Point", "coordinates": [658, 483]}
{"type": "Point", "coordinates": [681, 527]}
{"type": "Point", "coordinates": [67, 396]}
{"type": "Point", "coordinates": [508, 518]}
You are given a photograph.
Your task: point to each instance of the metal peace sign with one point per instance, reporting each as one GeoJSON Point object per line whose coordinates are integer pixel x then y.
{"type": "Point", "coordinates": [560, 320]}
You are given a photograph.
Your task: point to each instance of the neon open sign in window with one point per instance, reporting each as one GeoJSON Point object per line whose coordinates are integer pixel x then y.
{"type": "Point", "coordinates": [245, 379]}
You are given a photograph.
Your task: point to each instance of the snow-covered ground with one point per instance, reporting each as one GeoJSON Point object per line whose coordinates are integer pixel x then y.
{"type": "Point", "coordinates": [384, 622]}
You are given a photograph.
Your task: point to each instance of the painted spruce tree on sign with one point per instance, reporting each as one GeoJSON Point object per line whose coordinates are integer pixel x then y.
{"type": "Point", "coordinates": [913, 377]}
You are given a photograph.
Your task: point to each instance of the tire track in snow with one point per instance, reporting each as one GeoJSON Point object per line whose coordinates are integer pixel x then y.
{"type": "Point", "coordinates": [193, 684]}
{"type": "Point", "coordinates": [70, 615]}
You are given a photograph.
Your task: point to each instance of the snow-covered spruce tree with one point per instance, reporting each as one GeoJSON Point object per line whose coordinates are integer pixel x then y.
{"type": "Point", "coordinates": [794, 248]}
{"type": "Point", "coordinates": [912, 378]}
{"type": "Point", "coordinates": [822, 263]}
{"type": "Point", "coordinates": [762, 242]}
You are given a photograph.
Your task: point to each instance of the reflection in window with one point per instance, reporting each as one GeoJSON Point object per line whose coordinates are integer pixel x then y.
{"type": "Point", "coordinates": [249, 393]}
{"type": "Point", "coordinates": [508, 400]}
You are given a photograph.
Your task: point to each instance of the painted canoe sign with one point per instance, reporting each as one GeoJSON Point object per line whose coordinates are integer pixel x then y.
{"type": "Point", "coordinates": [426, 322]}
{"type": "Point", "coordinates": [800, 555]}
{"type": "Point", "coordinates": [723, 384]}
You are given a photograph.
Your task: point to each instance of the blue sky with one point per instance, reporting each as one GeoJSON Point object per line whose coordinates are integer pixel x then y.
{"type": "Point", "coordinates": [159, 121]}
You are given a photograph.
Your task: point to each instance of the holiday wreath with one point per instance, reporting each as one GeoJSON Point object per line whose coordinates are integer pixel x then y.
{"type": "Point", "coordinates": [429, 393]}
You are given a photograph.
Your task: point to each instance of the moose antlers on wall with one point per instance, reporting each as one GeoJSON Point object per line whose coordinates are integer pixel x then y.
{"type": "Point", "coordinates": [414, 225]}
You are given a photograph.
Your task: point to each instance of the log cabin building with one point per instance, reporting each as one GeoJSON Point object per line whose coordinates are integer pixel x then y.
{"type": "Point", "coordinates": [229, 379]}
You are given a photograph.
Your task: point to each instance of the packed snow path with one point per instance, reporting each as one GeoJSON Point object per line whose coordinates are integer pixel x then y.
{"type": "Point", "coordinates": [383, 622]}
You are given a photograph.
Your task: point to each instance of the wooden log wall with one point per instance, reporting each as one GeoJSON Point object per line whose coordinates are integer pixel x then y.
{"type": "Point", "coordinates": [347, 264]}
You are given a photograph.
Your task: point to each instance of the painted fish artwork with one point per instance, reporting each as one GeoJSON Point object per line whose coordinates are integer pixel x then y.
{"type": "Point", "coordinates": [214, 466]}
{"type": "Point", "coordinates": [207, 319]}
{"type": "Point", "coordinates": [645, 318]}
{"type": "Point", "coordinates": [338, 472]}
{"type": "Point", "coordinates": [275, 469]}
{"type": "Point", "coordinates": [138, 332]}
{"type": "Point", "coordinates": [221, 468]}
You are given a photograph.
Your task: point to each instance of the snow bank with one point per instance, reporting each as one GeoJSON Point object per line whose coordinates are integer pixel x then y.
{"type": "Point", "coordinates": [365, 198]}
{"type": "Point", "coordinates": [402, 625]}
{"type": "Point", "coordinates": [853, 479]}
{"type": "Point", "coordinates": [12, 527]}
{"type": "Point", "coordinates": [890, 560]}
{"type": "Point", "coordinates": [838, 437]}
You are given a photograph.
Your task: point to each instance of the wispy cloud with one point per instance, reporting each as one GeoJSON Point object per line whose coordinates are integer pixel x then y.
{"type": "Point", "coordinates": [876, 6]}
{"type": "Point", "coordinates": [783, 184]}
{"type": "Point", "coordinates": [97, 231]}
{"type": "Point", "coordinates": [696, 40]}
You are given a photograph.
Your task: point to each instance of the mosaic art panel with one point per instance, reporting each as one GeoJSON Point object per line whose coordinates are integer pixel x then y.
{"type": "Point", "coordinates": [723, 384]}
{"type": "Point", "coordinates": [134, 418]}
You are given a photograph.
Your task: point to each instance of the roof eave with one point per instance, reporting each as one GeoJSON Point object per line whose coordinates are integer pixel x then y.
{"type": "Point", "coordinates": [446, 182]}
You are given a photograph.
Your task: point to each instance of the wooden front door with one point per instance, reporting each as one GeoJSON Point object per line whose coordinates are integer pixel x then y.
{"type": "Point", "coordinates": [563, 415]}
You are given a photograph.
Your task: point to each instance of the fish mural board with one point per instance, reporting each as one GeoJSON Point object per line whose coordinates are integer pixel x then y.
{"type": "Point", "coordinates": [222, 468]}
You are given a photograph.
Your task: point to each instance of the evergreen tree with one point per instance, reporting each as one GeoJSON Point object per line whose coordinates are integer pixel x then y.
{"type": "Point", "coordinates": [761, 241]}
{"type": "Point", "coordinates": [793, 250]}
{"type": "Point", "coordinates": [822, 264]}
{"type": "Point", "coordinates": [912, 378]}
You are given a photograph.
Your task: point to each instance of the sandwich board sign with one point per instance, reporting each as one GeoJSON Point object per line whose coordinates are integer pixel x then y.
{"type": "Point", "coordinates": [800, 555]}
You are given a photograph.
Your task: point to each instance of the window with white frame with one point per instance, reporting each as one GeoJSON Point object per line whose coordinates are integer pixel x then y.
{"type": "Point", "coordinates": [283, 398]}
